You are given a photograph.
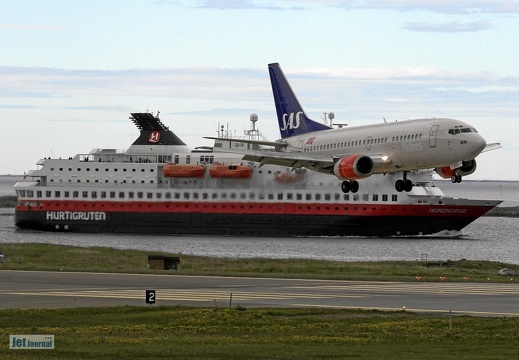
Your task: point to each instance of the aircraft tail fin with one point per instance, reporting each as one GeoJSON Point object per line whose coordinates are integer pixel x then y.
{"type": "Point", "coordinates": [291, 116]}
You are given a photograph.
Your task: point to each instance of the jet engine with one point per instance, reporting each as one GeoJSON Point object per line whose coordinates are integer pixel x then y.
{"type": "Point", "coordinates": [353, 167]}
{"type": "Point", "coordinates": [467, 168]}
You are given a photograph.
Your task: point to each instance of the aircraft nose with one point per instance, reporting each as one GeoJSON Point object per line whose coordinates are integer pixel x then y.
{"type": "Point", "coordinates": [477, 144]}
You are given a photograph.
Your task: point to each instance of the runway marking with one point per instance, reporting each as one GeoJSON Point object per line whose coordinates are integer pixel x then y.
{"type": "Point", "coordinates": [185, 295]}
{"type": "Point", "coordinates": [425, 288]}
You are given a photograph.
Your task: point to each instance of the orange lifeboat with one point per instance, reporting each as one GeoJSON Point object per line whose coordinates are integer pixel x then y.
{"type": "Point", "coordinates": [175, 170]}
{"type": "Point", "coordinates": [230, 171]}
{"type": "Point", "coordinates": [288, 178]}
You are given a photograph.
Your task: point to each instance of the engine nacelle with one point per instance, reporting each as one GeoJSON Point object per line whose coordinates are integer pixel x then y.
{"type": "Point", "coordinates": [467, 168]}
{"type": "Point", "coordinates": [354, 167]}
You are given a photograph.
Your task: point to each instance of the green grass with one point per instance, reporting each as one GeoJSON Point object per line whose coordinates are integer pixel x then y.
{"type": "Point", "coordinates": [218, 333]}
{"type": "Point", "coordinates": [99, 259]}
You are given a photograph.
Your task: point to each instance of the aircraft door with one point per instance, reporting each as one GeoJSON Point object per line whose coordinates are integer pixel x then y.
{"type": "Point", "coordinates": [300, 146]}
{"type": "Point", "coordinates": [368, 143]}
{"type": "Point", "coordinates": [432, 136]}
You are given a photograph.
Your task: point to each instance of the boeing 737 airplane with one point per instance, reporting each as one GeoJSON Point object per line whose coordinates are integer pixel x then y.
{"type": "Point", "coordinates": [352, 153]}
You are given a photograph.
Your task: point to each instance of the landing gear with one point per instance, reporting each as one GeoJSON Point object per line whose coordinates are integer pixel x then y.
{"type": "Point", "coordinates": [404, 185]}
{"type": "Point", "coordinates": [456, 178]}
{"type": "Point", "coordinates": [348, 186]}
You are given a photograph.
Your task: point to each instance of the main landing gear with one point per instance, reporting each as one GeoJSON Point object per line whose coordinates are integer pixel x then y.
{"type": "Point", "coordinates": [456, 178]}
{"type": "Point", "coordinates": [350, 185]}
{"type": "Point", "coordinates": [404, 184]}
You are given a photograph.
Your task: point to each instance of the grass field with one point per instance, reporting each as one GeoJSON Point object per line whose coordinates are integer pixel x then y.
{"type": "Point", "coordinates": [98, 259]}
{"type": "Point", "coordinates": [218, 333]}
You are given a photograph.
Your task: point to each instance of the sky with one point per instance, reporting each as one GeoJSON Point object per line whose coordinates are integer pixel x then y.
{"type": "Point", "coordinates": [71, 72]}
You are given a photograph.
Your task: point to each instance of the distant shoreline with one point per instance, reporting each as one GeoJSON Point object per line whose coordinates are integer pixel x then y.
{"type": "Point", "coordinates": [513, 211]}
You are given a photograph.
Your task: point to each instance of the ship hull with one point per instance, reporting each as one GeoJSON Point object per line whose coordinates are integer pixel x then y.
{"type": "Point", "coordinates": [285, 221]}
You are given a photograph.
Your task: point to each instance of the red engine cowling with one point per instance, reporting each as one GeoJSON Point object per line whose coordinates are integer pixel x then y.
{"type": "Point", "coordinates": [354, 167]}
{"type": "Point", "coordinates": [467, 168]}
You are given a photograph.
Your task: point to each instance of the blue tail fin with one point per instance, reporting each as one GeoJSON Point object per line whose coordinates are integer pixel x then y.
{"type": "Point", "coordinates": [291, 116]}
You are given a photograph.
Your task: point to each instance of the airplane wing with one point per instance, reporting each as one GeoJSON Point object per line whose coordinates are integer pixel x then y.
{"type": "Point", "coordinates": [492, 146]}
{"type": "Point", "coordinates": [320, 163]}
{"type": "Point", "coordinates": [277, 144]}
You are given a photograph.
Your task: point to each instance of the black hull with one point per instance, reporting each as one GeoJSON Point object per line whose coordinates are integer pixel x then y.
{"type": "Point", "coordinates": [269, 225]}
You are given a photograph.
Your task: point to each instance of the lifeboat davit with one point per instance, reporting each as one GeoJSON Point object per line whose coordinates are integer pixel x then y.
{"type": "Point", "coordinates": [176, 170]}
{"type": "Point", "coordinates": [230, 171]}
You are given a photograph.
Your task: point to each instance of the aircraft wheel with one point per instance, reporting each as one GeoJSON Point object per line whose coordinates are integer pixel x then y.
{"type": "Point", "coordinates": [408, 185]}
{"type": "Point", "coordinates": [345, 186]}
{"type": "Point", "coordinates": [399, 185]}
{"type": "Point", "coordinates": [354, 186]}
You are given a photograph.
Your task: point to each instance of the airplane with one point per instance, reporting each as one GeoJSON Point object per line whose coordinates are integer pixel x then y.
{"type": "Point", "coordinates": [353, 153]}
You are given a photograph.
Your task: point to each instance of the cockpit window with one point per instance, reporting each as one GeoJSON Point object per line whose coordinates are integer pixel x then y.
{"type": "Point", "coordinates": [461, 129]}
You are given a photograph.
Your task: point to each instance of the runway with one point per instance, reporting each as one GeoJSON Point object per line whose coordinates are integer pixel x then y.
{"type": "Point", "coordinates": [27, 289]}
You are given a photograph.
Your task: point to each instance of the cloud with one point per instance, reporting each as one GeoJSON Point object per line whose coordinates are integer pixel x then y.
{"type": "Point", "coordinates": [246, 4]}
{"type": "Point", "coordinates": [226, 93]}
{"type": "Point", "coordinates": [451, 27]}
{"type": "Point", "coordinates": [437, 6]}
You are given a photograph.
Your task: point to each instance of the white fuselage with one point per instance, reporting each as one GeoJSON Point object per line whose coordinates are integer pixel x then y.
{"type": "Point", "coordinates": [397, 146]}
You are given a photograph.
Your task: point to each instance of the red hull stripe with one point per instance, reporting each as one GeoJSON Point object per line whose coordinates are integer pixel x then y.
{"type": "Point", "coordinates": [263, 208]}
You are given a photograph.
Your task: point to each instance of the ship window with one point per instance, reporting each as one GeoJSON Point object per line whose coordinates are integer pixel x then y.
{"type": "Point", "coordinates": [214, 196]}
{"type": "Point", "coordinates": [149, 195]}
{"type": "Point", "coordinates": [290, 196]}
{"type": "Point", "coordinates": [308, 196]}
{"type": "Point", "coordinates": [60, 169]}
{"type": "Point", "coordinates": [124, 170]}
{"type": "Point", "coordinates": [152, 170]}
{"type": "Point", "coordinates": [78, 169]}
{"type": "Point", "coordinates": [134, 170]}
{"type": "Point", "coordinates": [317, 196]}
{"type": "Point", "coordinates": [251, 195]}
{"type": "Point", "coordinates": [384, 197]}
{"type": "Point", "coordinates": [84, 194]}
{"type": "Point", "coordinates": [327, 197]}
{"type": "Point", "coordinates": [30, 194]}
{"type": "Point", "coordinates": [140, 195]}
{"type": "Point", "coordinates": [38, 193]}
{"type": "Point", "coordinates": [112, 194]}
{"type": "Point", "coordinates": [365, 197]}
{"type": "Point", "coordinates": [346, 197]}
{"type": "Point", "coordinates": [375, 197]}
{"type": "Point", "coordinates": [205, 195]}
{"type": "Point", "coordinates": [66, 194]}
{"type": "Point", "coordinates": [142, 170]}
{"type": "Point", "coordinates": [69, 169]}
{"type": "Point", "coordinates": [186, 195]}
{"type": "Point", "coordinates": [159, 195]}
{"type": "Point", "coordinates": [337, 196]}
{"type": "Point", "coordinates": [233, 195]}
{"type": "Point", "coordinates": [121, 194]}
{"type": "Point", "coordinates": [280, 196]}
{"type": "Point", "coordinates": [299, 196]}
{"type": "Point", "coordinates": [131, 194]}
{"type": "Point", "coordinates": [243, 195]}
{"type": "Point", "coordinates": [271, 196]}
{"type": "Point", "coordinates": [48, 193]}
{"type": "Point", "coordinates": [394, 197]}
{"type": "Point", "coordinates": [94, 194]}
{"type": "Point", "coordinates": [103, 194]}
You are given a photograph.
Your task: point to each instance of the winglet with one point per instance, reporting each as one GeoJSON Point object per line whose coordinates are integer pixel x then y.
{"type": "Point", "coordinates": [291, 116]}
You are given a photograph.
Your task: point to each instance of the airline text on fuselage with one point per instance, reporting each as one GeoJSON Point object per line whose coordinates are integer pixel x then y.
{"type": "Point", "coordinates": [407, 146]}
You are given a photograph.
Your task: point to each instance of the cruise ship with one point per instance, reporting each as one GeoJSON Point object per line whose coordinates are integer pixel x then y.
{"type": "Point", "coordinates": [160, 186]}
